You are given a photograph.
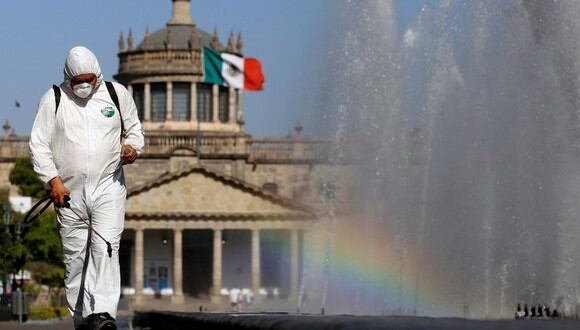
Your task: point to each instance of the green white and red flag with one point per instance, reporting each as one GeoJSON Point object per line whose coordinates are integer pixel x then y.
{"type": "Point", "coordinates": [232, 70]}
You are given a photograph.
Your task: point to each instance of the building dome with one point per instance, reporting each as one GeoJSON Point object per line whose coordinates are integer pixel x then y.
{"type": "Point", "coordinates": [165, 74]}
{"type": "Point", "coordinates": [179, 36]}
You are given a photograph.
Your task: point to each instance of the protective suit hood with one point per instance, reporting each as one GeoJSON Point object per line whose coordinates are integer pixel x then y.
{"type": "Point", "coordinates": [81, 60]}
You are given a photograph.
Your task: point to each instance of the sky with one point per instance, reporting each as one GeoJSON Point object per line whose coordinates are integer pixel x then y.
{"type": "Point", "coordinates": [287, 36]}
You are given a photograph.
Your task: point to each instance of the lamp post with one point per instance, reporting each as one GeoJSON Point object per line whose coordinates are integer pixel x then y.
{"type": "Point", "coordinates": [6, 218]}
{"type": "Point", "coordinates": [18, 231]}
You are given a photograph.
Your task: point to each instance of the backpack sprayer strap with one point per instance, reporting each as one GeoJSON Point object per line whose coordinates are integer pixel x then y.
{"type": "Point", "coordinates": [112, 94]}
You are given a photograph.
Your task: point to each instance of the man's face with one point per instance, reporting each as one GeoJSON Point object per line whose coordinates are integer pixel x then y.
{"type": "Point", "coordinates": [90, 78]}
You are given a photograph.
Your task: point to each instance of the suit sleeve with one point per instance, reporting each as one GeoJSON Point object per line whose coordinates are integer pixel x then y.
{"type": "Point", "coordinates": [134, 131]}
{"type": "Point", "coordinates": [41, 138]}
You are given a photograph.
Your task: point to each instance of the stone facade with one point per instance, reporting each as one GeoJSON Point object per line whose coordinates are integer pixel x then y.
{"type": "Point", "coordinates": [205, 192]}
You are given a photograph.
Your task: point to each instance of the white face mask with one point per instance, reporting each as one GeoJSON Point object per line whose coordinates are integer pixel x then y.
{"type": "Point", "coordinates": [83, 90]}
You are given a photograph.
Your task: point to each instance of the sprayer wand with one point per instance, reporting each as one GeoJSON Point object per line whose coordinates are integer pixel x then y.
{"type": "Point", "coordinates": [47, 201]}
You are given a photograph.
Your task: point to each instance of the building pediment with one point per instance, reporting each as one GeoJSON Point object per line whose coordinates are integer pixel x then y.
{"type": "Point", "coordinates": [201, 193]}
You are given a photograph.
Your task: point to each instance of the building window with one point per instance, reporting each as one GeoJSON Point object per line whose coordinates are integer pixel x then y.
{"type": "Point", "coordinates": [158, 102]}
{"type": "Point", "coordinates": [204, 102]}
{"type": "Point", "coordinates": [270, 187]}
{"type": "Point", "coordinates": [139, 98]}
{"type": "Point", "coordinates": [181, 101]}
{"type": "Point", "coordinates": [223, 110]}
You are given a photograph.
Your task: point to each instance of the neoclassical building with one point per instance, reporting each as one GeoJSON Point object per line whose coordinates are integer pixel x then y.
{"type": "Point", "coordinates": [209, 206]}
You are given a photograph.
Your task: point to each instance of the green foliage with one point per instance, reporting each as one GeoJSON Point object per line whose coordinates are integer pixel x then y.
{"type": "Point", "coordinates": [4, 195]}
{"type": "Point", "coordinates": [39, 247]}
{"type": "Point", "coordinates": [45, 273]}
{"type": "Point", "coordinates": [42, 240]}
{"type": "Point", "coordinates": [44, 250]}
{"type": "Point", "coordinates": [46, 313]}
{"type": "Point", "coordinates": [32, 289]}
{"type": "Point", "coordinates": [17, 252]}
{"type": "Point", "coordinates": [23, 176]}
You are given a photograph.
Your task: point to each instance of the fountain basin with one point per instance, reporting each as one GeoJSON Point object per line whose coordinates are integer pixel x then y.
{"type": "Point", "coordinates": [232, 321]}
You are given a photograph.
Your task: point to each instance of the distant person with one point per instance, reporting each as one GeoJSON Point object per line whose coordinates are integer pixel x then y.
{"type": "Point", "coordinates": [555, 314]}
{"type": "Point", "coordinates": [249, 298]}
{"type": "Point", "coordinates": [526, 311]}
{"type": "Point", "coordinates": [235, 299]}
{"type": "Point", "coordinates": [519, 312]}
{"type": "Point", "coordinates": [85, 130]}
{"type": "Point", "coordinates": [540, 311]}
{"type": "Point", "coordinates": [533, 312]}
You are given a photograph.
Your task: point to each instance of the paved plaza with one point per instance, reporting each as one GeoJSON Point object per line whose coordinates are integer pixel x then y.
{"type": "Point", "coordinates": [38, 325]}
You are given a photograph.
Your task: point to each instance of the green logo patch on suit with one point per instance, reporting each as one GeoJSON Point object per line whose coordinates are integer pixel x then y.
{"type": "Point", "coordinates": [108, 112]}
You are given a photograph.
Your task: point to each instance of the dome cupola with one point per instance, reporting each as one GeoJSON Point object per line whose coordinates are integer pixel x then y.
{"type": "Point", "coordinates": [165, 74]}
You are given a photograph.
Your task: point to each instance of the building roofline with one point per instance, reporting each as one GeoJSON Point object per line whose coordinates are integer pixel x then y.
{"type": "Point", "coordinates": [221, 216]}
{"type": "Point", "coordinates": [226, 179]}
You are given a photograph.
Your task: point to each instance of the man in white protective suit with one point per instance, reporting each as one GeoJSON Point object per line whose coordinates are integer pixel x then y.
{"type": "Point", "coordinates": [79, 141]}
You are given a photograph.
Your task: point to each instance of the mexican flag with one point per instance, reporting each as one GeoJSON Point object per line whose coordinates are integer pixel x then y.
{"type": "Point", "coordinates": [232, 70]}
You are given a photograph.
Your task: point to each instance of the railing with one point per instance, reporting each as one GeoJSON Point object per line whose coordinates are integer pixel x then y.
{"type": "Point", "coordinates": [14, 147]}
{"type": "Point", "coordinates": [208, 145]}
{"type": "Point", "coordinates": [258, 150]}
{"type": "Point", "coordinates": [163, 60]}
{"type": "Point", "coordinates": [289, 149]}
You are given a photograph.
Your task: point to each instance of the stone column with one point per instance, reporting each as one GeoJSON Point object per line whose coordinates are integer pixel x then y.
{"type": "Point", "coordinates": [256, 281]}
{"type": "Point", "coordinates": [193, 103]}
{"type": "Point", "coordinates": [240, 109]}
{"type": "Point", "coordinates": [177, 266]}
{"type": "Point", "coordinates": [147, 101]}
{"type": "Point", "coordinates": [217, 265]}
{"type": "Point", "coordinates": [169, 101]}
{"type": "Point", "coordinates": [138, 265]}
{"type": "Point", "coordinates": [231, 104]}
{"type": "Point", "coordinates": [215, 95]}
{"type": "Point", "coordinates": [294, 264]}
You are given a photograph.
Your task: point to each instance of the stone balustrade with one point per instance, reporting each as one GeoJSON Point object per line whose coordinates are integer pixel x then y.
{"type": "Point", "coordinates": [163, 61]}
{"type": "Point", "coordinates": [256, 150]}
{"type": "Point", "coordinates": [14, 147]}
{"type": "Point", "coordinates": [280, 150]}
{"type": "Point", "coordinates": [209, 146]}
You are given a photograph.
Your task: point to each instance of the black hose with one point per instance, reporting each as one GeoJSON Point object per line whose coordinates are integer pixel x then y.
{"type": "Point", "coordinates": [45, 203]}
{"type": "Point", "coordinates": [28, 218]}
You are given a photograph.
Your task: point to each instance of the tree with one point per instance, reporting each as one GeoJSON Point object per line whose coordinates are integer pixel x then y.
{"type": "Point", "coordinates": [42, 240]}
{"type": "Point", "coordinates": [37, 249]}
{"type": "Point", "coordinates": [39, 244]}
{"type": "Point", "coordinates": [28, 183]}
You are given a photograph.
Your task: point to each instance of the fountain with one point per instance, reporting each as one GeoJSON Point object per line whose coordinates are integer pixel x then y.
{"type": "Point", "coordinates": [462, 133]}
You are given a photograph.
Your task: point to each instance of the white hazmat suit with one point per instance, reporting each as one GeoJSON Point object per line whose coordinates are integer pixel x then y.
{"type": "Point", "coordinates": [81, 144]}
